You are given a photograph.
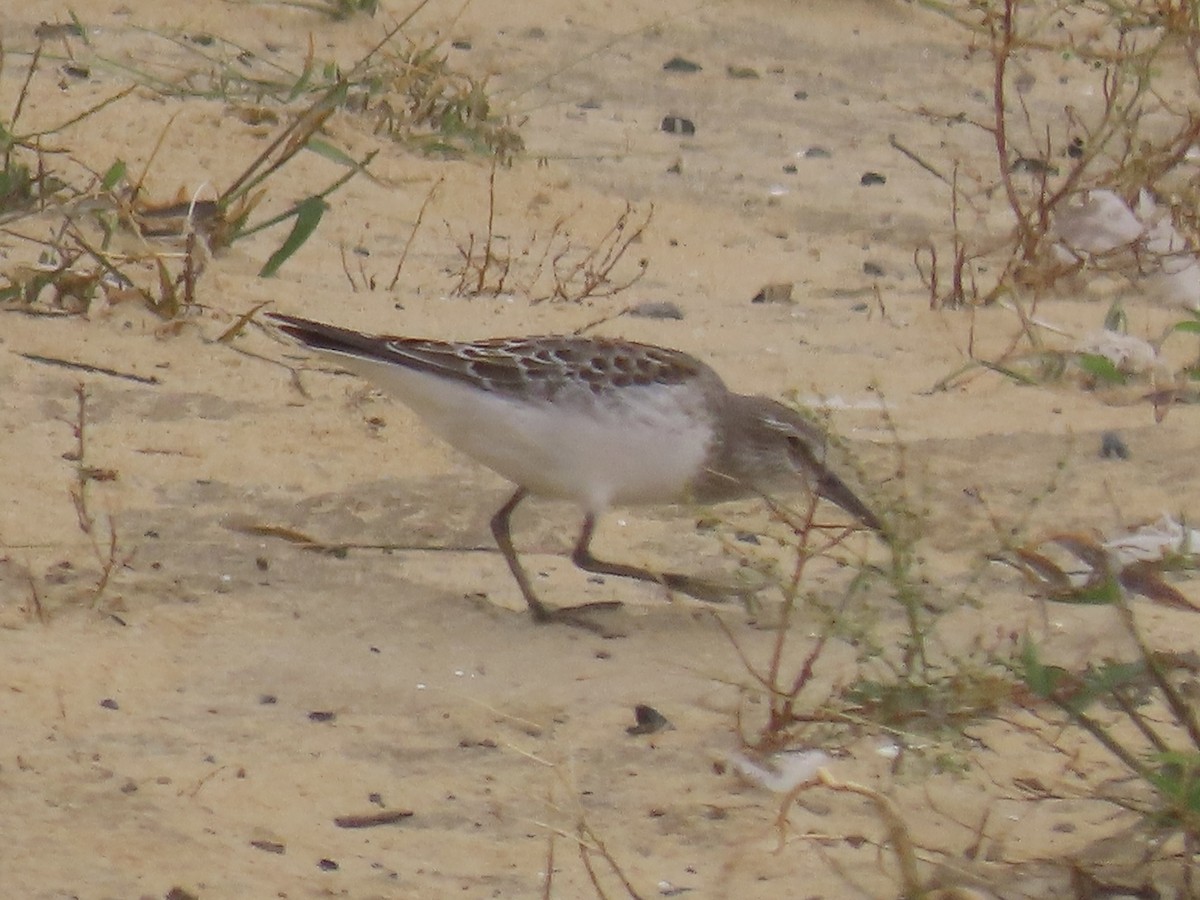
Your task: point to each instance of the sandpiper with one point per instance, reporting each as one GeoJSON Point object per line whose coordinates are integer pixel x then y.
{"type": "Point", "coordinates": [595, 421]}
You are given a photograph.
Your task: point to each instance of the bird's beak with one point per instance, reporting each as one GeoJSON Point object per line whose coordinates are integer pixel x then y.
{"type": "Point", "coordinates": [835, 491]}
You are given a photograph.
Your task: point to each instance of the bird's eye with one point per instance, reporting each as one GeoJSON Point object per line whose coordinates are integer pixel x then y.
{"type": "Point", "coordinates": [804, 453]}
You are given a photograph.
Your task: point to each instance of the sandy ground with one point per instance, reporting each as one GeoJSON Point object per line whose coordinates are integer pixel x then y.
{"type": "Point", "coordinates": [201, 722]}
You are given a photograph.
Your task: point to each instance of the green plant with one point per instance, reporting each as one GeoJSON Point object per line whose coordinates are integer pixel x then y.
{"type": "Point", "coordinates": [1133, 140]}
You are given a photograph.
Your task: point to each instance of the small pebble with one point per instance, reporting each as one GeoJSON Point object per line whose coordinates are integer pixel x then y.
{"type": "Point", "coordinates": [870, 178]}
{"type": "Point", "coordinates": [109, 703]}
{"type": "Point", "coordinates": [649, 720]}
{"type": "Point", "coordinates": [1112, 446]}
{"type": "Point", "coordinates": [679, 64]}
{"type": "Point", "coordinates": [652, 309]}
{"type": "Point", "coordinates": [780, 292]}
{"type": "Point", "coordinates": [742, 72]}
{"type": "Point", "coordinates": [327, 865]}
{"type": "Point", "coordinates": [321, 716]}
{"type": "Point", "coordinates": [1031, 166]}
{"type": "Point", "coordinates": [873, 269]}
{"type": "Point", "coordinates": [678, 125]}
{"type": "Point", "coordinates": [817, 153]}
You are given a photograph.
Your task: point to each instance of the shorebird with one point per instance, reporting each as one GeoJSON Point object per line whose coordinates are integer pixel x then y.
{"type": "Point", "coordinates": [595, 421]}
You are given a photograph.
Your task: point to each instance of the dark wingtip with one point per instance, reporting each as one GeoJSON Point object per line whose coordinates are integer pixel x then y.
{"type": "Point", "coordinates": [321, 336]}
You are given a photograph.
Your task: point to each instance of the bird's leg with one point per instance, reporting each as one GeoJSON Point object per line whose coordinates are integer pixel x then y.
{"type": "Point", "coordinates": [501, 530]}
{"type": "Point", "coordinates": [699, 588]}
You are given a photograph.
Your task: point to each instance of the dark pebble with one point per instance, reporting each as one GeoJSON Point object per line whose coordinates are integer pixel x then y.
{"type": "Point", "coordinates": [327, 865]}
{"type": "Point", "coordinates": [1112, 446]}
{"type": "Point", "coordinates": [1030, 166]}
{"type": "Point", "coordinates": [817, 153]}
{"type": "Point", "coordinates": [269, 847]}
{"type": "Point", "coordinates": [678, 125]}
{"type": "Point", "coordinates": [679, 64]}
{"type": "Point", "coordinates": [268, 699]}
{"type": "Point", "coordinates": [746, 537]}
{"type": "Point", "coordinates": [321, 716]}
{"type": "Point", "coordinates": [461, 45]}
{"type": "Point", "coordinates": [76, 71]}
{"type": "Point", "coordinates": [1075, 149]}
{"type": "Point", "coordinates": [870, 178]}
{"type": "Point", "coordinates": [109, 703]}
{"type": "Point", "coordinates": [873, 269]}
{"type": "Point", "coordinates": [649, 720]}
{"type": "Point", "coordinates": [801, 95]}
{"type": "Point", "coordinates": [790, 169]}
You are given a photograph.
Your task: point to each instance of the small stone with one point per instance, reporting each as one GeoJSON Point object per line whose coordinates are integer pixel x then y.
{"type": "Point", "coordinates": [327, 865]}
{"type": "Point", "coordinates": [1112, 446]}
{"type": "Point", "coordinates": [1030, 166]}
{"type": "Point", "coordinates": [741, 72]}
{"type": "Point", "coordinates": [656, 309]}
{"type": "Point", "coordinates": [678, 125]}
{"type": "Point", "coordinates": [873, 269]}
{"type": "Point", "coordinates": [109, 703]}
{"type": "Point", "coordinates": [817, 153]}
{"type": "Point", "coordinates": [780, 292]}
{"type": "Point", "coordinates": [801, 95]}
{"type": "Point", "coordinates": [461, 44]}
{"type": "Point", "coordinates": [649, 720]}
{"type": "Point", "coordinates": [870, 178]}
{"type": "Point", "coordinates": [679, 64]}
{"type": "Point", "coordinates": [321, 716]}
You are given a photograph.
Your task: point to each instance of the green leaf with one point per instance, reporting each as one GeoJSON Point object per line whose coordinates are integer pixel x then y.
{"type": "Point", "coordinates": [1190, 327]}
{"type": "Point", "coordinates": [1115, 319]}
{"type": "Point", "coordinates": [308, 216]}
{"type": "Point", "coordinates": [1103, 593]}
{"type": "Point", "coordinates": [331, 153]}
{"type": "Point", "coordinates": [1008, 373]}
{"type": "Point", "coordinates": [1040, 678]}
{"type": "Point", "coordinates": [113, 175]}
{"type": "Point", "coordinates": [1100, 368]}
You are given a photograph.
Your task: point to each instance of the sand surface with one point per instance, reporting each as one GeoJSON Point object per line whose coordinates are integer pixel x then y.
{"type": "Point", "coordinates": [201, 721]}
